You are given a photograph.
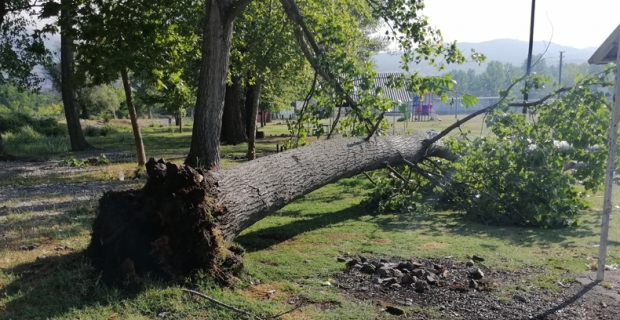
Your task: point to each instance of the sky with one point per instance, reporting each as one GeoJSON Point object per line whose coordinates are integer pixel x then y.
{"type": "Point", "coordinates": [575, 23]}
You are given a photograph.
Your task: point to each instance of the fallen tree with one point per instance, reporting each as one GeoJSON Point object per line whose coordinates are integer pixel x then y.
{"type": "Point", "coordinates": [185, 219]}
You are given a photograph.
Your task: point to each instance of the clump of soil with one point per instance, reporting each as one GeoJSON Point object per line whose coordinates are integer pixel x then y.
{"type": "Point", "coordinates": [165, 229]}
{"type": "Point", "coordinates": [450, 289]}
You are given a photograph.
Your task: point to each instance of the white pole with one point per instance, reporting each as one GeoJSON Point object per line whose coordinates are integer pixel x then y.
{"type": "Point", "coordinates": [609, 175]}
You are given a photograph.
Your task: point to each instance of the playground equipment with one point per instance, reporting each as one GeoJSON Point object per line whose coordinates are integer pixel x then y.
{"type": "Point", "coordinates": [423, 108]}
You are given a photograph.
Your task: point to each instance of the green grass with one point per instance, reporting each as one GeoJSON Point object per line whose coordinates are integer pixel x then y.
{"type": "Point", "coordinates": [28, 142]}
{"type": "Point", "coordinates": [317, 228]}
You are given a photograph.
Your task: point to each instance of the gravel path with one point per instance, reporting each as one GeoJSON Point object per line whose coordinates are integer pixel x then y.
{"type": "Point", "coordinates": [51, 198]}
{"type": "Point", "coordinates": [55, 196]}
{"type": "Point", "coordinates": [25, 169]}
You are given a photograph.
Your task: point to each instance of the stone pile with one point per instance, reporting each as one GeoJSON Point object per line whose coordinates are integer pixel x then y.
{"type": "Point", "coordinates": [414, 274]}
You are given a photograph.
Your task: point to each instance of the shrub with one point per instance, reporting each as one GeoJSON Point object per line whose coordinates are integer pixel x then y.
{"type": "Point", "coordinates": [13, 122]}
{"type": "Point", "coordinates": [91, 131]}
{"type": "Point", "coordinates": [28, 133]}
{"type": "Point", "coordinates": [106, 129]}
{"type": "Point", "coordinates": [517, 174]}
{"type": "Point", "coordinates": [106, 117]}
{"type": "Point", "coordinates": [97, 161]}
{"type": "Point", "coordinates": [28, 142]}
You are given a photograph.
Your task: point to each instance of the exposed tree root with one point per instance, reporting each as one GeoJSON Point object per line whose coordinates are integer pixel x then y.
{"type": "Point", "coordinates": [166, 229]}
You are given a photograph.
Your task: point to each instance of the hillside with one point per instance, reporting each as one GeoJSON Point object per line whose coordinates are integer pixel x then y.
{"type": "Point", "coordinates": [504, 50]}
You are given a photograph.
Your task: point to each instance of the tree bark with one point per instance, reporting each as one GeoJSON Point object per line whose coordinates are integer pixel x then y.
{"type": "Point", "coordinates": [1, 145]}
{"type": "Point", "coordinates": [252, 100]}
{"type": "Point", "coordinates": [85, 114]}
{"type": "Point", "coordinates": [137, 136]}
{"type": "Point", "coordinates": [249, 192]}
{"type": "Point", "coordinates": [76, 136]}
{"type": "Point", "coordinates": [233, 127]}
{"type": "Point", "coordinates": [3, 11]}
{"type": "Point", "coordinates": [205, 145]}
{"type": "Point", "coordinates": [184, 219]}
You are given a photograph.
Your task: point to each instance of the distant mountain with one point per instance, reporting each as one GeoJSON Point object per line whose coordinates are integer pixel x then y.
{"type": "Point", "coordinates": [503, 50]}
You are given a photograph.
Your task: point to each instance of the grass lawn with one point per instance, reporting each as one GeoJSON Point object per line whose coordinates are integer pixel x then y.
{"type": "Point", "coordinates": [293, 251]}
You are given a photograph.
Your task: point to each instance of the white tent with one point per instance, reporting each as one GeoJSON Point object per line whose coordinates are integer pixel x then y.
{"type": "Point", "coordinates": [609, 52]}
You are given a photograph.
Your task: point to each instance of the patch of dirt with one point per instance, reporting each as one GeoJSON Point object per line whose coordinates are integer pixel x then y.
{"type": "Point", "coordinates": [433, 245]}
{"type": "Point", "coordinates": [451, 293]}
{"type": "Point", "coordinates": [264, 291]}
{"type": "Point", "coordinates": [335, 236]}
{"type": "Point", "coordinates": [22, 169]}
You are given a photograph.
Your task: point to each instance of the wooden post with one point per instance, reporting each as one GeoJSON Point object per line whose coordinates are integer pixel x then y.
{"type": "Point", "coordinates": [609, 175]}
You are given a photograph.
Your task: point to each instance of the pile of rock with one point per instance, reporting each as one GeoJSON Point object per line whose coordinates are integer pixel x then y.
{"type": "Point", "coordinates": [414, 274]}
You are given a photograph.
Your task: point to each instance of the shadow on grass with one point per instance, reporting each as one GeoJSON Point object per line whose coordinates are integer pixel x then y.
{"type": "Point", "coordinates": [53, 286]}
{"type": "Point", "coordinates": [265, 238]}
{"type": "Point", "coordinates": [49, 228]}
{"type": "Point", "coordinates": [39, 209]}
{"type": "Point", "coordinates": [442, 223]}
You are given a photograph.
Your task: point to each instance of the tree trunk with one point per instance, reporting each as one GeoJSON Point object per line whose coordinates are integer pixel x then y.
{"type": "Point", "coordinates": [3, 11]}
{"type": "Point", "coordinates": [233, 127]}
{"type": "Point", "coordinates": [180, 124]}
{"type": "Point", "coordinates": [76, 136]}
{"type": "Point", "coordinates": [84, 111]}
{"type": "Point", "coordinates": [252, 100]}
{"type": "Point", "coordinates": [205, 145]}
{"type": "Point", "coordinates": [149, 110]}
{"type": "Point", "coordinates": [184, 219]}
{"type": "Point", "coordinates": [137, 136]}
{"type": "Point", "coordinates": [1, 145]}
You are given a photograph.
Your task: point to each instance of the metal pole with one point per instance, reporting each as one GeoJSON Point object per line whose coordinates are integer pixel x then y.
{"type": "Point", "coordinates": [560, 80]}
{"type": "Point", "coordinates": [609, 175]}
{"type": "Point", "coordinates": [529, 54]}
{"type": "Point", "coordinates": [394, 125]}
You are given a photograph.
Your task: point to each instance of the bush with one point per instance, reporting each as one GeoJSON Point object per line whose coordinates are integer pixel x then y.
{"type": "Point", "coordinates": [27, 133]}
{"type": "Point", "coordinates": [91, 131]}
{"type": "Point", "coordinates": [516, 175]}
{"type": "Point", "coordinates": [13, 122]}
{"type": "Point", "coordinates": [96, 161]}
{"type": "Point", "coordinates": [105, 130]}
{"type": "Point", "coordinates": [106, 117]}
{"type": "Point", "coordinates": [28, 142]}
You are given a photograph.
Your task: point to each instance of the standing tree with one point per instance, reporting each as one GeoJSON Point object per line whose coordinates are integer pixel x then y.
{"type": "Point", "coordinates": [218, 25]}
{"type": "Point", "coordinates": [67, 70]}
{"type": "Point", "coordinates": [143, 37]}
{"type": "Point", "coordinates": [265, 55]}
{"type": "Point", "coordinates": [233, 126]}
{"type": "Point", "coordinates": [21, 50]}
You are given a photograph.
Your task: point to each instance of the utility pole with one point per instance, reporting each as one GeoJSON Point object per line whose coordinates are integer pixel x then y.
{"type": "Point", "coordinates": [529, 55]}
{"type": "Point", "coordinates": [560, 80]}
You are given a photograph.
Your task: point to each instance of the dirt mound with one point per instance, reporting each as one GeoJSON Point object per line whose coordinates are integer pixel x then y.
{"type": "Point", "coordinates": [165, 229]}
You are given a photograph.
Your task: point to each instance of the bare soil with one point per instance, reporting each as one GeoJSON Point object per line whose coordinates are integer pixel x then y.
{"type": "Point", "coordinates": [501, 294]}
